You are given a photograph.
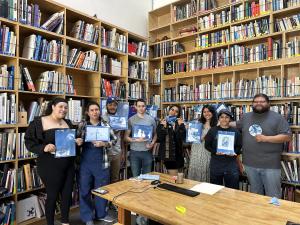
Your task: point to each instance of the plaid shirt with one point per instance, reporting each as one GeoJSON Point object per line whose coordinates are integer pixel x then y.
{"type": "Point", "coordinates": [81, 133]}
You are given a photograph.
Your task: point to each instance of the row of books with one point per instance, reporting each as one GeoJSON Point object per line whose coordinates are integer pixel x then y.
{"type": "Point", "coordinates": [290, 193]}
{"type": "Point", "coordinates": [75, 110]}
{"type": "Point", "coordinates": [55, 23]}
{"type": "Point", "coordinates": [85, 31]}
{"type": "Point", "coordinates": [287, 23]}
{"type": "Point", "coordinates": [293, 146]}
{"type": "Point", "coordinates": [155, 100]}
{"type": "Point", "coordinates": [173, 67]}
{"type": "Point", "coordinates": [113, 40]}
{"type": "Point", "coordinates": [48, 82]}
{"type": "Point", "coordinates": [156, 77]}
{"type": "Point", "coordinates": [8, 108]}
{"type": "Point", "coordinates": [137, 90]}
{"type": "Point", "coordinates": [28, 178]}
{"type": "Point", "coordinates": [38, 48]}
{"type": "Point", "coordinates": [293, 47]}
{"type": "Point", "coordinates": [204, 5]}
{"type": "Point", "coordinates": [7, 77]}
{"type": "Point", "coordinates": [36, 108]}
{"type": "Point", "coordinates": [8, 40]}
{"type": "Point", "coordinates": [29, 14]}
{"type": "Point", "coordinates": [138, 49]}
{"type": "Point", "coordinates": [7, 179]}
{"type": "Point", "coordinates": [8, 210]}
{"type": "Point", "coordinates": [9, 9]}
{"type": "Point", "coordinates": [184, 11]}
{"type": "Point", "coordinates": [290, 170]}
{"type": "Point", "coordinates": [115, 88]}
{"type": "Point", "coordinates": [249, 30]}
{"type": "Point", "coordinates": [212, 39]}
{"type": "Point", "coordinates": [282, 4]}
{"type": "Point", "coordinates": [7, 145]}
{"type": "Point", "coordinates": [167, 48]}
{"type": "Point", "coordinates": [22, 151]}
{"type": "Point", "coordinates": [138, 70]}
{"type": "Point", "coordinates": [88, 60]}
{"type": "Point", "coordinates": [111, 65]}
{"type": "Point", "coordinates": [214, 20]}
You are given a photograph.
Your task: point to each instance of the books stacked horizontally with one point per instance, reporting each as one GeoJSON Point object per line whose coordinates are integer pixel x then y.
{"type": "Point", "coordinates": [7, 77]}
{"type": "Point", "coordinates": [85, 31]}
{"type": "Point", "coordinates": [138, 70]}
{"type": "Point", "coordinates": [8, 113]}
{"type": "Point", "coordinates": [8, 9]}
{"type": "Point", "coordinates": [138, 49]}
{"type": "Point", "coordinates": [114, 88]}
{"type": "Point", "coordinates": [111, 65]}
{"type": "Point", "coordinates": [114, 40]}
{"type": "Point", "coordinates": [88, 60]}
{"type": "Point", "coordinates": [38, 48]}
{"type": "Point", "coordinates": [8, 40]}
{"type": "Point", "coordinates": [8, 145]}
{"type": "Point", "coordinates": [22, 151]}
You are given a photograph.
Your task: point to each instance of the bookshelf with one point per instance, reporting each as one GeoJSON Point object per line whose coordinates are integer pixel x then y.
{"type": "Point", "coordinates": [222, 55]}
{"type": "Point", "coordinates": [72, 79]}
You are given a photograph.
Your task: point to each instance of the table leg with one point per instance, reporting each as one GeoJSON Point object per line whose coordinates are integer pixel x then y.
{"type": "Point", "coordinates": [124, 216]}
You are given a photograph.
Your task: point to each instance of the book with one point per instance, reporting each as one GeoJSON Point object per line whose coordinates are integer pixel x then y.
{"type": "Point", "coordinates": [65, 143]}
{"type": "Point", "coordinates": [171, 120]}
{"type": "Point", "coordinates": [152, 110]}
{"type": "Point", "coordinates": [119, 121]}
{"type": "Point", "coordinates": [226, 142]}
{"type": "Point", "coordinates": [142, 131]}
{"type": "Point", "coordinates": [97, 133]}
{"type": "Point", "coordinates": [194, 132]}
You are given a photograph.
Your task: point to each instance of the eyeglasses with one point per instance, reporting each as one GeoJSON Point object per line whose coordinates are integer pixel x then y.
{"type": "Point", "coordinates": [175, 110]}
{"type": "Point", "coordinates": [261, 102]}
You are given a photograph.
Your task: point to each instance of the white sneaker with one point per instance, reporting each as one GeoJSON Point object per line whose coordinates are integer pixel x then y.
{"type": "Point", "coordinates": [89, 223]}
{"type": "Point", "coordinates": [107, 219]}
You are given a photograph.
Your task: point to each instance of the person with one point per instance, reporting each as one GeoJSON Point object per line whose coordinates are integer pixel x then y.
{"type": "Point", "coordinates": [116, 152]}
{"type": "Point", "coordinates": [57, 174]}
{"type": "Point", "coordinates": [223, 166]}
{"type": "Point", "coordinates": [200, 157]}
{"type": "Point", "coordinates": [94, 168]}
{"type": "Point", "coordinates": [140, 155]}
{"type": "Point", "coordinates": [170, 138]}
{"type": "Point", "coordinates": [264, 133]}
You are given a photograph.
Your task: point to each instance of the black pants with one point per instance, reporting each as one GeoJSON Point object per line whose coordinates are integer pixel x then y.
{"type": "Point", "coordinates": [58, 177]}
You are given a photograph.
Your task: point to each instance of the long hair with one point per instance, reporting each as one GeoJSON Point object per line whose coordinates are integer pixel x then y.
{"type": "Point", "coordinates": [214, 120]}
{"type": "Point", "coordinates": [54, 102]}
{"type": "Point", "coordinates": [87, 118]}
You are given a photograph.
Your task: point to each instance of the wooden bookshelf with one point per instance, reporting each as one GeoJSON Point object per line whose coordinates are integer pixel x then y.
{"type": "Point", "coordinates": [163, 28]}
{"type": "Point", "coordinates": [87, 82]}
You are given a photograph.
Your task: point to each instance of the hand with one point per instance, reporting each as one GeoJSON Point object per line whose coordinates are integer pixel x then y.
{"type": "Point", "coordinates": [164, 123]}
{"type": "Point", "coordinates": [149, 146]}
{"type": "Point", "coordinates": [140, 139]}
{"type": "Point", "coordinates": [49, 148]}
{"type": "Point", "coordinates": [180, 121]}
{"type": "Point", "coordinates": [261, 138]}
{"type": "Point", "coordinates": [99, 144]}
{"type": "Point", "coordinates": [79, 141]}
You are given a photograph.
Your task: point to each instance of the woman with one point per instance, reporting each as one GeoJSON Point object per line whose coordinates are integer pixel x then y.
{"type": "Point", "coordinates": [171, 133]}
{"type": "Point", "coordinates": [57, 174]}
{"type": "Point", "coordinates": [94, 168]}
{"type": "Point", "coordinates": [224, 143]}
{"type": "Point", "coordinates": [200, 157]}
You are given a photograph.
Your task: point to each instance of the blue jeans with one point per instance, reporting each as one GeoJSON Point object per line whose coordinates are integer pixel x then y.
{"type": "Point", "coordinates": [229, 175]}
{"type": "Point", "coordinates": [264, 181]}
{"type": "Point", "coordinates": [140, 162]}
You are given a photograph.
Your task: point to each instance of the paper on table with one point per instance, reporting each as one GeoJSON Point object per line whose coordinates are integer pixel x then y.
{"type": "Point", "coordinates": [207, 188]}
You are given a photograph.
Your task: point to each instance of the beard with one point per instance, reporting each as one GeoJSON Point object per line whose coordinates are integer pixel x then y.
{"type": "Point", "coordinates": [262, 110]}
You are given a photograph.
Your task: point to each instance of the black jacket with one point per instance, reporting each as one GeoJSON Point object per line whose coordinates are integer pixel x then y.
{"type": "Point", "coordinates": [176, 138]}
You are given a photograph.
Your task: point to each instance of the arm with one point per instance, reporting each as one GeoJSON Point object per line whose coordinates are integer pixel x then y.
{"type": "Point", "coordinates": [233, 124]}
{"type": "Point", "coordinates": [279, 138]}
{"type": "Point", "coordinates": [238, 143]}
{"type": "Point", "coordinates": [209, 139]}
{"type": "Point", "coordinates": [31, 140]}
{"type": "Point", "coordinates": [161, 132]}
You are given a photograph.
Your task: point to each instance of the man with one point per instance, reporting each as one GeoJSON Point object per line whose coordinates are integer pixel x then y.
{"type": "Point", "coordinates": [140, 154]}
{"type": "Point", "coordinates": [264, 133]}
{"type": "Point", "coordinates": [116, 152]}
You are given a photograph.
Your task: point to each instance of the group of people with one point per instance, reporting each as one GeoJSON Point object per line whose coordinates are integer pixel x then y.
{"type": "Point", "coordinates": [259, 135]}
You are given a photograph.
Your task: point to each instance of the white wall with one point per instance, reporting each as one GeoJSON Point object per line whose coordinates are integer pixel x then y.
{"type": "Point", "coordinates": [160, 3]}
{"type": "Point", "coordinates": [128, 14]}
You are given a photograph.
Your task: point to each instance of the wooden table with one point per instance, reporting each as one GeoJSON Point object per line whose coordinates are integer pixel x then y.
{"type": "Point", "coordinates": [227, 206]}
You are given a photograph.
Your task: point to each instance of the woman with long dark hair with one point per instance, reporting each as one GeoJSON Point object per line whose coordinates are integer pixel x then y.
{"type": "Point", "coordinates": [200, 157]}
{"type": "Point", "coordinates": [170, 134]}
{"type": "Point", "coordinates": [94, 168]}
{"type": "Point", "coordinates": [57, 174]}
